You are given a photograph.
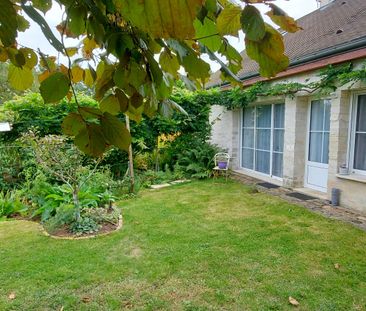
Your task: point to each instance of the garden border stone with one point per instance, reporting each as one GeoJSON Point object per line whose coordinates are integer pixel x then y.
{"type": "Point", "coordinates": [119, 227]}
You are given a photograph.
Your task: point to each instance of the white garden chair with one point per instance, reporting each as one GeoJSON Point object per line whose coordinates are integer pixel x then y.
{"type": "Point", "coordinates": [222, 162]}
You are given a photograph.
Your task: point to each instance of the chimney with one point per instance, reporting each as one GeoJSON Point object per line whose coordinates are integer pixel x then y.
{"type": "Point", "coordinates": [322, 3]}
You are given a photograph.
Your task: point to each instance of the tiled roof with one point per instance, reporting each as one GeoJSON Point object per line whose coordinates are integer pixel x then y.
{"type": "Point", "coordinates": [336, 24]}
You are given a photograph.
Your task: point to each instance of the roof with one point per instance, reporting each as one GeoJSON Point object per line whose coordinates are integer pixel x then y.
{"type": "Point", "coordinates": [339, 23]}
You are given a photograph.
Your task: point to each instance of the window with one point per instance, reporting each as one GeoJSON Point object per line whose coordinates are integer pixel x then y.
{"type": "Point", "coordinates": [263, 139]}
{"type": "Point", "coordinates": [358, 154]}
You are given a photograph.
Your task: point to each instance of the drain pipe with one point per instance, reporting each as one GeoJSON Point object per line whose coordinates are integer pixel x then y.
{"type": "Point", "coordinates": [336, 193]}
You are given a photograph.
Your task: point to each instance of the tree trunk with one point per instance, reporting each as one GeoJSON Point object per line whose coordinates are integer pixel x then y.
{"type": "Point", "coordinates": [75, 197]}
{"type": "Point", "coordinates": [130, 160]}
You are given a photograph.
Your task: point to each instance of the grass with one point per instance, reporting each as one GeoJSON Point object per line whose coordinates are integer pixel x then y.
{"type": "Point", "coordinates": [207, 245]}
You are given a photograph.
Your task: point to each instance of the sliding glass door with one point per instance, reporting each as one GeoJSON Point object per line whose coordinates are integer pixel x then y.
{"type": "Point", "coordinates": [262, 139]}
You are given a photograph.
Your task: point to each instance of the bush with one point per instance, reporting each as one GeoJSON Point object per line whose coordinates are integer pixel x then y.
{"type": "Point", "coordinates": [198, 160]}
{"type": "Point", "coordinates": [11, 204]}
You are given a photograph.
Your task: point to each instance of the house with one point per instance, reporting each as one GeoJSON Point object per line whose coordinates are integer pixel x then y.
{"type": "Point", "coordinates": [301, 141]}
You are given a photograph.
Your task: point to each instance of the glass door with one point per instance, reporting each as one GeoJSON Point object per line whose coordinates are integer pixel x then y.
{"type": "Point", "coordinates": [318, 154]}
{"type": "Point", "coordinates": [263, 139]}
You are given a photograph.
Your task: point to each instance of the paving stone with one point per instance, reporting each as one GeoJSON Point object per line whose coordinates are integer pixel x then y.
{"type": "Point", "coordinates": [319, 206]}
{"type": "Point", "coordinates": [159, 186]}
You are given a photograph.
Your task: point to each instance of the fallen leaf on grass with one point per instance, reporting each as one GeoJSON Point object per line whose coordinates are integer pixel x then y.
{"type": "Point", "coordinates": [337, 265]}
{"type": "Point", "coordinates": [86, 299]}
{"type": "Point", "coordinates": [293, 301]}
{"type": "Point", "coordinates": [12, 296]}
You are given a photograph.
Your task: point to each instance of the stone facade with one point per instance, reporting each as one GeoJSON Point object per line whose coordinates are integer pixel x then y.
{"type": "Point", "coordinates": [226, 133]}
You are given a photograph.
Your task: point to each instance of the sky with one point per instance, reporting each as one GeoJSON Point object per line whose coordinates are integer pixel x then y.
{"type": "Point", "coordinates": [34, 38]}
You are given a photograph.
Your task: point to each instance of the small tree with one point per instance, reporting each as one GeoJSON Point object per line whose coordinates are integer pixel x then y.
{"type": "Point", "coordinates": [63, 161]}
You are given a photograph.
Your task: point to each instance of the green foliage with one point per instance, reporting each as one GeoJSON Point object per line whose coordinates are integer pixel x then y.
{"type": "Point", "coordinates": [119, 42]}
{"type": "Point", "coordinates": [84, 225]}
{"type": "Point", "coordinates": [330, 78]}
{"type": "Point", "coordinates": [30, 111]}
{"type": "Point", "coordinates": [11, 204]}
{"type": "Point", "coordinates": [10, 167]}
{"type": "Point", "coordinates": [197, 159]}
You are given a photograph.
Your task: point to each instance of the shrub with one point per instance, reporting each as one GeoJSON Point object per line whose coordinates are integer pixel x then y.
{"type": "Point", "coordinates": [11, 204]}
{"type": "Point", "coordinates": [198, 160]}
{"type": "Point", "coordinates": [84, 225]}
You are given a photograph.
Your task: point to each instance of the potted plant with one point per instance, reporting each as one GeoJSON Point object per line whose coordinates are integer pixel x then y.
{"type": "Point", "coordinates": [343, 169]}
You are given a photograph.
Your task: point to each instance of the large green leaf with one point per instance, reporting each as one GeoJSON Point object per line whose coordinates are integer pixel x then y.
{"type": "Point", "coordinates": [30, 57]}
{"type": "Point", "coordinates": [104, 80]}
{"type": "Point", "coordinates": [136, 75]}
{"type": "Point", "coordinates": [16, 57]}
{"type": "Point", "coordinates": [269, 53]}
{"type": "Point", "coordinates": [196, 67]}
{"type": "Point", "coordinates": [115, 131]}
{"type": "Point", "coordinates": [207, 34]}
{"type": "Point", "coordinates": [90, 112]}
{"type": "Point", "coordinates": [162, 18]}
{"type": "Point", "coordinates": [228, 22]}
{"type": "Point", "coordinates": [252, 23]}
{"type": "Point", "coordinates": [169, 63]}
{"type": "Point", "coordinates": [55, 87]}
{"type": "Point", "coordinates": [73, 124]}
{"type": "Point", "coordinates": [42, 5]}
{"type": "Point", "coordinates": [111, 105]}
{"type": "Point", "coordinates": [91, 140]}
{"type": "Point", "coordinates": [20, 78]}
{"type": "Point", "coordinates": [77, 19]}
{"type": "Point", "coordinates": [279, 17]}
{"type": "Point", "coordinates": [8, 23]}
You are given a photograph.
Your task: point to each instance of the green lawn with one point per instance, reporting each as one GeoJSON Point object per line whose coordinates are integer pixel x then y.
{"type": "Point", "coordinates": [201, 246]}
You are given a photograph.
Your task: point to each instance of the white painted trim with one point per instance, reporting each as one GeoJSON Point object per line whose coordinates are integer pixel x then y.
{"type": "Point", "coordinates": [352, 133]}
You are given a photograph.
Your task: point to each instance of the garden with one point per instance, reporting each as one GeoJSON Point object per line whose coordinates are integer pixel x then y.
{"type": "Point", "coordinates": [122, 105]}
{"type": "Point", "coordinates": [44, 177]}
{"type": "Point", "coordinates": [204, 245]}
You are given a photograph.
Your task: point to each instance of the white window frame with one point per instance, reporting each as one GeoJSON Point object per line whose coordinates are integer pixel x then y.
{"type": "Point", "coordinates": [272, 104]}
{"type": "Point", "coordinates": [352, 134]}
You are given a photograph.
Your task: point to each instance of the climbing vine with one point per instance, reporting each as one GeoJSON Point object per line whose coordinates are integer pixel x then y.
{"type": "Point", "coordinates": [330, 78]}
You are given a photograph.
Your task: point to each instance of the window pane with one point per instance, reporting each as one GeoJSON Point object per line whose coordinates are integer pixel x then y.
{"type": "Point", "coordinates": [248, 117]}
{"type": "Point", "coordinates": [264, 116]}
{"type": "Point", "coordinates": [360, 152]}
{"type": "Point", "coordinates": [361, 114]}
{"type": "Point", "coordinates": [278, 140]}
{"type": "Point", "coordinates": [264, 139]}
{"type": "Point", "coordinates": [262, 162]}
{"type": "Point", "coordinates": [317, 115]}
{"type": "Point", "coordinates": [325, 148]}
{"type": "Point", "coordinates": [277, 164]}
{"type": "Point", "coordinates": [327, 104]}
{"type": "Point", "coordinates": [279, 116]}
{"type": "Point", "coordinates": [315, 148]}
{"type": "Point", "coordinates": [248, 138]}
{"type": "Point", "coordinates": [247, 158]}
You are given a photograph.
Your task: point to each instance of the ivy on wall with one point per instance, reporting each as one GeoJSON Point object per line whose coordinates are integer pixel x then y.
{"type": "Point", "coordinates": [330, 78]}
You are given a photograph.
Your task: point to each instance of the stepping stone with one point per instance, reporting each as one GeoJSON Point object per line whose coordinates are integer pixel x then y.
{"type": "Point", "coordinates": [159, 186]}
{"type": "Point", "coordinates": [180, 181]}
